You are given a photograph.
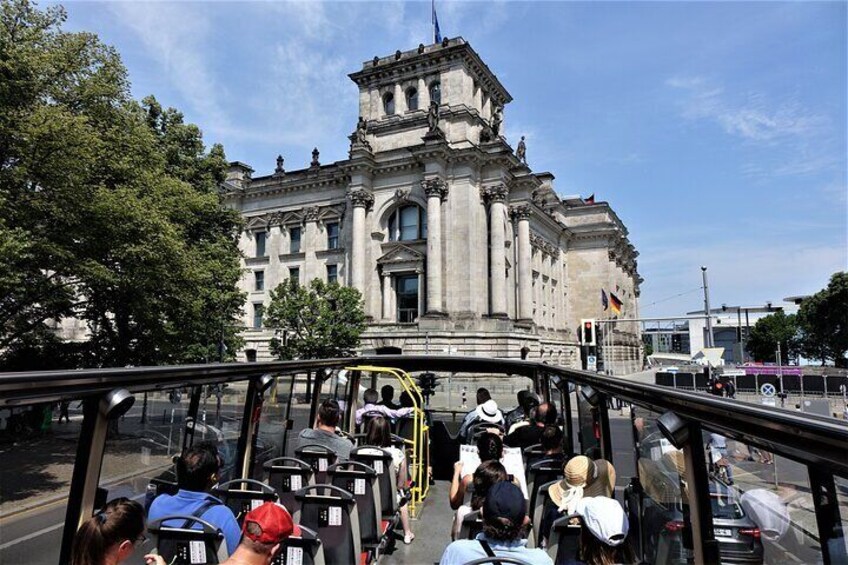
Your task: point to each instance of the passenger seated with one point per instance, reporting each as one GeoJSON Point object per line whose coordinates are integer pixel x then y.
{"type": "Point", "coordinates": [604, 532]}
{"type": "Point", "coordinates": [324, 433]}
{"type": "Point", "coordinates": [528, 435]}
{"type": "Point", "coordinates": [111, 535]}
{"type": "Point", "coordinates": [264, 529]}
{"type": "Point", "coordinates": [370, 399]}
{"type": "Point", "coordinates": [583, 478]}
{"type": "Point", "coordinates": [486, 475]}
{"type": "Point", "coordinates": [378, 433]}
{"type": "Point", "coordinates": [527, 400]}
{"type": "Point", "coordinates": [504, 531]}
{"type": "Point", "coordinates": [487, 411]}
{"type": "Point", "coordinates": [197, 473]}
{"type": "Point", "coordinates": [387, 394]}
{"type": "Point", "coordinates": [489, 448]}
{"type": "Point", "coordinates": [551, 441]}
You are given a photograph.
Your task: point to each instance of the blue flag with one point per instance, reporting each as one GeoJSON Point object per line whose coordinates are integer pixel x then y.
{"type": "Point", "coordinates": [437, 34]}
{"type": "Point", "coordinates": [604, 301]}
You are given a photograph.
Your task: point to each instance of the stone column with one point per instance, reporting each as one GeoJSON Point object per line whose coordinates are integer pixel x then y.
{"type": "Point", "coordinates": [437, 190]}
{"type": "Point", "coordinates": [525, 273]}
{"type": "Point", "coordinates": [361, 200]}
{"type": "Point", "coordinates": [387, 297]}
{"type": "Point", "coordinates": [497, 195]}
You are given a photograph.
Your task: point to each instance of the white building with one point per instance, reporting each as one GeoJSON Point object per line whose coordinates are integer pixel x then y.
{"type": "Point", "coordinates": [454, 242]}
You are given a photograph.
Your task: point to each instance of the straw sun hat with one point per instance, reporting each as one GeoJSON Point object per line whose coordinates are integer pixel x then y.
{"type": "Point", "coordinates": [583, 478]}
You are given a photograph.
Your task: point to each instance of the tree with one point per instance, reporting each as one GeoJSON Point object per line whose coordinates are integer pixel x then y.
{"type": "Point", "coordinates": [768, 332]}
{"type": "Point", "coordinates": [315, 322]}
{"type": "Point", "coordinates": [109, 209]}
{"type": "Point", "coordinates": [823, 319]}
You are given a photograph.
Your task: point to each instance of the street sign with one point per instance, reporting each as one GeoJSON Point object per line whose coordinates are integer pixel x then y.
{"type": "Point", "coordinates": [768, 390]}
{"type": "Point", "coordinates": [591, 363]}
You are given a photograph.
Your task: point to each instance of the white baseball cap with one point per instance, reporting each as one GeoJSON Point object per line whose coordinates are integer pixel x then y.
{"type": "Point", "coordinates": [605, 518]}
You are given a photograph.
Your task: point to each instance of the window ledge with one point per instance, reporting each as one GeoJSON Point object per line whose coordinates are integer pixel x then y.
{"type": "Point", "coordinates": [327, 252]}
{"type": "Point", "coordinates": [298, 255]}
{"type": "Point", "coordinates": [256, 260]}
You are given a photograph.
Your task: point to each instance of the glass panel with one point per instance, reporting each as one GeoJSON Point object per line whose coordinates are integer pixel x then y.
{"type": "Point", "coordinates": [389, 104]}
{"type": "Point", "coordinates": [436, 92]}
{"type": "Point", "coordinates": [294, 241]}
{"type": "Point", "coordinates": [841, 484]}
{"type": "Point", "coordinates": [423, 216]}
{"type": "Point", "coordinates": [38, 460]}
{"type": "Point", "coordinates": [260, 243]}
{"type": "Point", "coordinates": [762, 506]}
{"type": "Point", "coordinates": [409, 223]}
{"type": "Point", "coordinates": [273, 435]}
{"type": "Point", "coordinates": [260, 280]}
{"type": "Point", "coordinates": [660, 508]}
{"type": "Point", "coordinates": [407, 298]}
{"type": "Point", "coordinates": [393, 226]}
{"type": "Point", "coordinates": [411, 99]}
{"type": "Point", "coordinates": [332, 273]}
{"type": "Point", "coordinates": [332, 236]}
{"type": "Point", "coordinates": [589, 427]}
{"type": "Point", "coordinates": [258, 312]}
{"type": "Point", "coordinates": [294, 273]}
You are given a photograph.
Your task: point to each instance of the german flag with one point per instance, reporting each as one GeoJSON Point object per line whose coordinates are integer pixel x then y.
{"type": "Point", "coordinates": [615, 304]}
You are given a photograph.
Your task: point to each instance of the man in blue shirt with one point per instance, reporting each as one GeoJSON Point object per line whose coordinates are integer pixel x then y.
{"type": "Point", "coordinates": [197, 472]}
{"type": "Point", "coordinates": [505, 522]}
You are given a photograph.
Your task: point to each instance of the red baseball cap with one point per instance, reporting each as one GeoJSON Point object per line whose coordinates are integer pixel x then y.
{"type": "Point", "coordinates": [270, 523]}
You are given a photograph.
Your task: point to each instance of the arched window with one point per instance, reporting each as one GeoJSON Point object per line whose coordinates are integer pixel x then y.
{"type": "Point", "coordinates": [408, 223]}
{"type": "Point", "coordinates": [411, 99]}
{"type": "Point", "coordinates": [436, 92]}
{"type": "Point", "coordinates": [389, 104]}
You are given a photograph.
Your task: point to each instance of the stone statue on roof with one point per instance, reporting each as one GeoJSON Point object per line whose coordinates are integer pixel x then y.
{"type": "Point", "coordinates": [521, 151]}
{"type": "Point", "coordinates": [279, 170]}
{"type": "Point", "coordinates": [433, 117]}
{"type": "Point", "coordinates": [361, 128]}
{"type": "Point", "coordinates": [497, 120]}
{"type": "Point", "coordinates": [315, 162]}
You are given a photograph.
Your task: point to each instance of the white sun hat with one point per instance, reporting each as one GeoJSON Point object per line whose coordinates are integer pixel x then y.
{"type": "Point", "coordinates": [488, 412]}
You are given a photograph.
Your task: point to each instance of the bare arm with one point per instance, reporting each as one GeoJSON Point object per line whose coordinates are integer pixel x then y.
{"type": "Point", "coordinates": [458, 486]}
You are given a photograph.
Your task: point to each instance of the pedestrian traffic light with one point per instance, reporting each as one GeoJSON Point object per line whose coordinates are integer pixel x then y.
{"type": "Point", "coordinates": [588, 332]}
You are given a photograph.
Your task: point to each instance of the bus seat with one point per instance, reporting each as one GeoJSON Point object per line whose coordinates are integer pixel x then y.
{"type": "Point", "coordinates": [332, 514]}
{"type": "Point", "coordinates": [540, 473]}
{"type": "Point", "coordinates": [443, 458]}
{"type": "Point", "coordinates": [405, 427]}
{"type": "Point", "coordinates": [472, 524]}
{"type": "Point", "coordinates": [532, 454]}
{"type": "Point", "coordinates": [288, 475]}
{"type": "Point", "coordinates": [479, 428]}
{"type": "Point", "coordinates": [305, 549]}
{"type": "Point", "coordinates": [381, 461]}
{"type": "Point", "coordinates": [542, 504]}
{"type": "Point", "coordinates": [497, 561]}
{"type": "Point", "coordinates": [319, 458]}
{"type": "Point", "coordinates": [367, 417]}
{"type": "Point", "coordinates": [180, 544]}
{"type": "Point", "coordinates": [564, 541]}
{"type": "Point", "coordinates": [242, 495]}
{"type": "Point", "coordinates": [361, 480]}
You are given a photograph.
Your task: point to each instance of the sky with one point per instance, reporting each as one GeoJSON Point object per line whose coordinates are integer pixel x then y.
{"type": "Point", "coordinates": [716, 130]}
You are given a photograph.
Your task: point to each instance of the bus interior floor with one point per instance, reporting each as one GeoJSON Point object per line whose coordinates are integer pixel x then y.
{"type": "Point", "coordinates": [432, 531]}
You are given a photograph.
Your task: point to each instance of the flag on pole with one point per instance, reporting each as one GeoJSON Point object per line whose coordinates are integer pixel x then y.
{"type": "Point", "coordinates": [437, 34]}
{"type": "Point", "coordinates": [604, 301]}
{"type": "Point", "coordinates": [615, 303]}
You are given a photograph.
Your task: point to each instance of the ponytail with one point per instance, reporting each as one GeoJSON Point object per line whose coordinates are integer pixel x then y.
{"type": "Point", "coordinates": [121, 519]}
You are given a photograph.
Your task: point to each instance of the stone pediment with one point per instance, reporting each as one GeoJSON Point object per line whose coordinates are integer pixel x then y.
{"type": "Point", "coordinates": [399, 253]}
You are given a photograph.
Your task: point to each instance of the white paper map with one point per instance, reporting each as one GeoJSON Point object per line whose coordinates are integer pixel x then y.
{"type": "Point", "coordinates": [512, 461]}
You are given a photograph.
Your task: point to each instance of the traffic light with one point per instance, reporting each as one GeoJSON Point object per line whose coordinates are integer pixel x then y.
{"type": "Point", "coordinates": [588, 332]}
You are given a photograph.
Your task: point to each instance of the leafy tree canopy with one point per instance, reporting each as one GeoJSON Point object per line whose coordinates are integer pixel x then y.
{"type": "Point", "coordinates": [823, 318]}
{"type": "Point", "coordinates": [109, 209]}
{"type": "Point", "coordinates": [316, 321]}
{"type": "Point", "coordinates": [768, 332]}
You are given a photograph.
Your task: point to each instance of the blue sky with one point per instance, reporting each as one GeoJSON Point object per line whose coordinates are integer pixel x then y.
{"type": "Point", "coordinates": [717, 131]}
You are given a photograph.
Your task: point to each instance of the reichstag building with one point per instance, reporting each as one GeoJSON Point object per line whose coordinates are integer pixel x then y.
{"type": "Point", "coordinates": [455, 243]}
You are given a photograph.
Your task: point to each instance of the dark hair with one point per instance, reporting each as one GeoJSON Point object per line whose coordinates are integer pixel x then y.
{"type": "Point", "coordinates": [483, 395]}
{"type": "Point", "coordinates": [503, 529]}
{"type": "Point", "coordinates": [489, 447]}
{"type": "Point", "coordinates": [120, 520]}
{"type": "Point", "coordinates": [387, 392]}
{"type": "Point", "coordinates": [595, 552]}
{"type": "Point", "coordinates": [370, 396]}
{"type": "Point", "coordinates": [329, 412]}
{"type": "Point", "coordinates": [197, 465]}
{"type": "Point", "coordinates": [405, 400]}
{"type": "Point", "coordinates": [487, 474]}
{"type": "Point", "coordinates": [551, 438]}
{"type": "Point", "coordinates": [546, 413]}
{"type": "Point", "coordinates": [378, 432]}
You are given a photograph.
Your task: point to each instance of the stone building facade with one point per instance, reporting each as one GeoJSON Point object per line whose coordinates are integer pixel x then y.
{"type": "Point", "coordinates": [454, 242]}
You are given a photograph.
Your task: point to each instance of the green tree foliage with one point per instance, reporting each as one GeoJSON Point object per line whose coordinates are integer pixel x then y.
{"type": "Point", "coordinates": [109, 209]}
{"type": "Point", "coordinates": [823, 319]}
{"type": "Point", "coordinates": [768, 332]}
{"type": "Point", "coordinates": [315, 322]}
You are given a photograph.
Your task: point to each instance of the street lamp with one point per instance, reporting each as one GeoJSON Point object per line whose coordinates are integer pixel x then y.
{"type": "Point", "coordinates": [707, 308]}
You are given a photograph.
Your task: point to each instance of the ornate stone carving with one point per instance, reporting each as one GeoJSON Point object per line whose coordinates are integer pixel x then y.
{"type": "Point", "coordinates": [433, 117]}
{"type": "Point", "coordinates": [315, 155]}
{"type": "Point", "coordinates": [361, 198]}
{"type": "Point", "coordinates": [521, 212]}
{"type": "Point", "coordinates": [435, 187]}
{"type": "Point", "coordinates": [358, 139]}
{"type": "Point", "coordinates": [495, 193]}
{"type": "Point", "coordinates": [310, 213]}
{"type": "Point", "coordinates": [402, 194]}
{"type": "Point", "coordinates": [279, 171]}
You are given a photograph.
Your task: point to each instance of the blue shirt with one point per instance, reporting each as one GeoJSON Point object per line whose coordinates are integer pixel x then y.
{"type": "Point", "coordinates": [463, 551]}
{"type": "Point", "coordinates": [185, 502]}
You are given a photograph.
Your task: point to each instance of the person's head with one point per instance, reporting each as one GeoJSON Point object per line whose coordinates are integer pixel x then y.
{"type": "Point", "coordinates": [197, 469]}
{"type": "Point", "coordinates": [329, 413]}
{"type": "Point", "coordinates": [483, 395]}
{"type": "Point", "coordinates": [551, 439]}
{"type": "Point", "coordinates": [504, 513]}
{"type": "Point", "coordinates": [264, 529]}
{"type": "Point", "coordinates": [387, 393]}
{"type": "Point", "coordinates": [370, 396]}
{"type": "Point", "coordinates": [527, 400]}
{"type": "Point", "coordinates": [489, 447]}
{"type": "Point", "coordinates": [110, 534]}
{"type": "Point", "coordinates": [546, 414]}
{"type": "Point", "coordinates": [405, 400]}
{"type": "Point", "coordinates": [378, 432]}
{"type": "Point", "coordinates": [604, 531]}
{"type": "Point", "coordinates": [487, 474]}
